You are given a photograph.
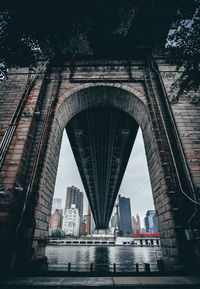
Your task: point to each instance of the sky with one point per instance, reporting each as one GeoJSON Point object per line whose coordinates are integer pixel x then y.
{"type": "Point", "coordinates": [135, 184]}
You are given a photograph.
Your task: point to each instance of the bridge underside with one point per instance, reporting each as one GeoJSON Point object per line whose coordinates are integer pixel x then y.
{"type": "Point", "coordinates": [101, 139]}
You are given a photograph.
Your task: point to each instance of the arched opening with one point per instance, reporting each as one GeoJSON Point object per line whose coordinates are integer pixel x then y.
{"type": "Point", "coordinates": [135, 187]}
{"type": "Point", "coordinates": [101, 138]}
{"type": "Point", "coordinates": [75, 102]}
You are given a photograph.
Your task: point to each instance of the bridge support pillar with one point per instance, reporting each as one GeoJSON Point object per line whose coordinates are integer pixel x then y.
{"type": "Point", "coordinates": [175, 212]}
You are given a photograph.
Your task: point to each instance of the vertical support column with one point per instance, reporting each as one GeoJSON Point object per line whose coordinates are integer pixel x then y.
{"type": "Point", "coordinates": [15, 163]}
{"type": "Point", "coordinates": [49, 132]}
{"type": "Point", "coordinates": [178, 209]}
{"type": "Point", "coordinates": [185, 117]}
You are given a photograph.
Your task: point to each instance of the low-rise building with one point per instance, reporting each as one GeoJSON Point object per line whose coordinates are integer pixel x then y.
{"type": "Point", "coordinates": [56, 220]}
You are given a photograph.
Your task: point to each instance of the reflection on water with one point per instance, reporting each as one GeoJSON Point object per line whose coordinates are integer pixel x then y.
{"type": "Point", "coordinates": [101, 255]}
{"type": "Point", "coordinates": [102, 259]}
{"type": "Point", "coordinates": [82, 256]}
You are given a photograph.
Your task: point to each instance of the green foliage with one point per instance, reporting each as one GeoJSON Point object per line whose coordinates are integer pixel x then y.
{"type": "Point", "coordinates": [77, 40]}
{"type": "Point", "coordinates": [55, 31]}
{"type": "Point", "coordinates": [58, 30]}
{"type": "Point", "coordinates": [127, 13]}
{"type": "Point", "coordinates": [184, 49]}
{"type": "Point", "coordinates": [67, 29]}
{"type": "Point", "coordinates": [56, 234]}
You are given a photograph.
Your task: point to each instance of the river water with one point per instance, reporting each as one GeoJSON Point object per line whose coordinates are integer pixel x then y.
{"type": "Point", "coordinates": [102, 258]}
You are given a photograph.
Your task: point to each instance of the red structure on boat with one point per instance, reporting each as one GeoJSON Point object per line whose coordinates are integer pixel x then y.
{"type": "Point", "coordinates": [146, 235]}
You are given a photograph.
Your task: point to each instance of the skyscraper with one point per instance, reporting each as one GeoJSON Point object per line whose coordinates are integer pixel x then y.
{"type": "Point", "coordinates": [74, 196]}
{"type": "Point", "coordinates": [125, 216]}
{"type": "Point", "coordinates": [136, 224]}
{"type": "Point", "coordinates": [113, 221]}
{"type": "Point", "coordinates": [57, 203]}
{"type": "Point", "coordinates": [155, 224]}
{"type": "Point", "coordinates": [150, 222]}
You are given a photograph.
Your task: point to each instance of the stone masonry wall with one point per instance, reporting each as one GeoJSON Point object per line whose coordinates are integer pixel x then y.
{"type": "Point", "coordinates": [77, 96]}
{"type": "Point", "coordinates": [187, 117]}
{"type": "Point", "coordinates": [15, 165]}
{"type": "Point", "coordinates": [61, 95]}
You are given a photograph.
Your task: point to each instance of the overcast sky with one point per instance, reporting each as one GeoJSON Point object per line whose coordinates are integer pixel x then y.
{"type": "Point", "coordinates": [135, 184]}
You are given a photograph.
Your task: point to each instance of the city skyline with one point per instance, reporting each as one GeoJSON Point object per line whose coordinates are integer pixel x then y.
{"type": "Point", "coordinates": [135, 184]}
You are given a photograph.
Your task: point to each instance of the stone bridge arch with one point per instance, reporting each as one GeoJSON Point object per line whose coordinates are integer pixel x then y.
{"type": "Point", "coordinates": [135, 104]}
{"type": "Point", "coordinates": [56, 100]}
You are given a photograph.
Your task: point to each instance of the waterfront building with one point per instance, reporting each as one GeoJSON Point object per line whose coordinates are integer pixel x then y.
{"type": "Point", "coordinates": [112, 230]}
{"type": "Point", "coordinates": [124, 241]}
{"type": "Point", "coordinates": [84, 229]}
{"type": "Point", "coordinates": [85, 219]}
{"type": "Point", "coordinates": [125, 220]}
{"type": "Point", "coordinates": [138, 219]}
{"type": "Point", "coordinates": [56, 220]}
{"type": "Point", "coordinates": [150, 222]}
{"type": "Point", "coordinates": [114, 220]}
{"type": "Point", "coordinates": [84, 225]}
{"type": "Point", "coordinates": [75, 196]}
{"type": "Point", "coordinates": [136, 224]}
{"type": "Point", "coordinates": [92, 225]}
{"type": "Point", "coordinates": [146, 224]}
{"type": "Point", "coordinates": [57, 204]}
{"type": "Point", "coordinates": [155, 224]}
{"type": "Point", "coordinates": [89, 221]}
{"type": "Point", "coordinates": [71, 221]}
{"type": "Point", "coordinates": [143, 231]}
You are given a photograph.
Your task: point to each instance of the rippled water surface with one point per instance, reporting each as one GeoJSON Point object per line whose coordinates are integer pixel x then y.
{"type": "Point", "coordinates": [81, 257]}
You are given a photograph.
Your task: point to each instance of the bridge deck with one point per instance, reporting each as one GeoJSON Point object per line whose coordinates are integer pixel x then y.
{"type": "Point", "coordinates": [101, 140]}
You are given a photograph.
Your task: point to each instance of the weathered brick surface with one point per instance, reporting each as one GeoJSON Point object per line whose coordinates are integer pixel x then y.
{"type": "Point", "coordinates": [187, 117]}
{"type": "Point", "coordinates": [114, 83]}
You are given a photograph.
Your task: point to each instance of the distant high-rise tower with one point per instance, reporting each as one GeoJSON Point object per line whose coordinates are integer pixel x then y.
{"type": "Point", "coordinates": [57, 203]}
{"type": "Point", "coordinates": [74, 196]}
{"type": "Point", "coordinates": [150, 222]}
{"type": "Point", "coordinates": [113, 221]}
{"type": "Point", "coordinates": [136, 224]}
{"type": "Point", "coordinates": [125, 219]}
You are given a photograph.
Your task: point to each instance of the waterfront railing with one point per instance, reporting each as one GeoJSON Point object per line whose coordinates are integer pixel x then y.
{"type": "Point", "coordinates": [113, 268]}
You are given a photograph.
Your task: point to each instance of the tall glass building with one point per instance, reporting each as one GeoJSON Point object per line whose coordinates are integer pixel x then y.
{"type": "Point", "coordinates": [125, 218]}
{"type": "Point", "coordinates": [150, 222]}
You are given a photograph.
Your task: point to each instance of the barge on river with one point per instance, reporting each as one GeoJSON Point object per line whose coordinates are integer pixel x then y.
{"type": "Point", "coordinates": [138, 240]}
